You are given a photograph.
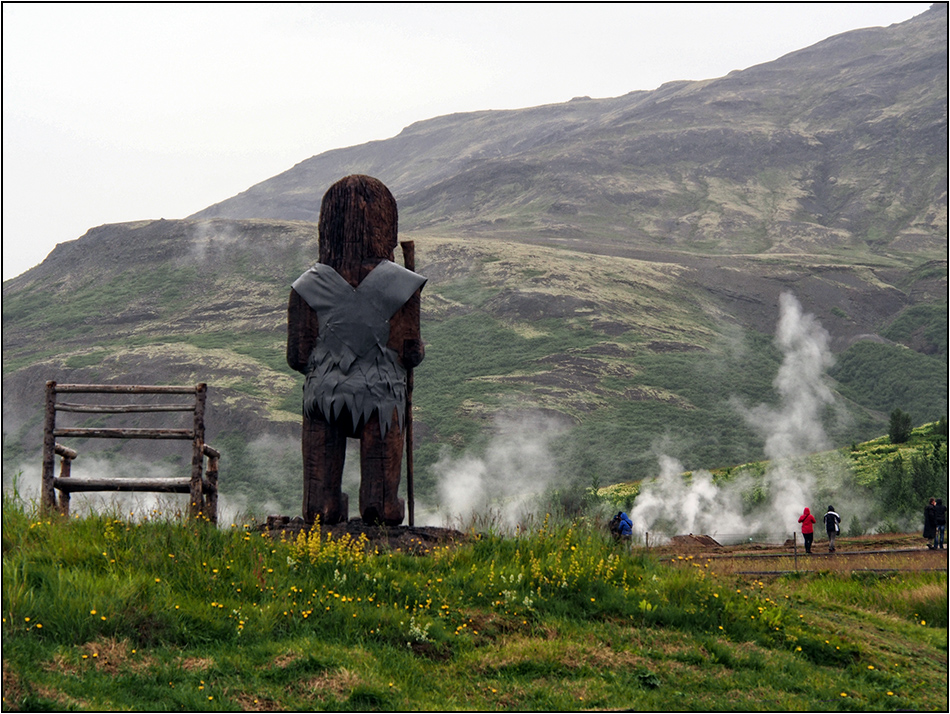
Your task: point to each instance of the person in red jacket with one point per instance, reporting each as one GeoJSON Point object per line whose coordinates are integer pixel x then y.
{"type": "Point", "coordinates": [808, 528]}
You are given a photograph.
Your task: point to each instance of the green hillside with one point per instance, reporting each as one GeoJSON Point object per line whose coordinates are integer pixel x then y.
{"type": "Point", "coordinates": [880, 376]}
{"type": "Point", "coordinates": [618, 356]}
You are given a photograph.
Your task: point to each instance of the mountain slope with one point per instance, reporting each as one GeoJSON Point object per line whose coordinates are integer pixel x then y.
{"type": "Point", "coordinates": [604, 358]}
{"type": "Point", "coordinates": [835, 149]}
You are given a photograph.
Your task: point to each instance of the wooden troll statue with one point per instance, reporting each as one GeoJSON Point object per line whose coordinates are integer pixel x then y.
{"type": "Point", "coordinates": [353, 330]}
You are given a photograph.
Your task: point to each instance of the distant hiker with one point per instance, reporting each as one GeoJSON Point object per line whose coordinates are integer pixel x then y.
{"type": "Point", "coordinates": [940, 520]}
{"type": "Point", "coordinates": [621, 527]}
{"type": "Point", "coordinates": [930, 523]}
{"type": "Point", "coordinates": [832, 521]}
{"type": "Point", "coordinates": [808, 531]}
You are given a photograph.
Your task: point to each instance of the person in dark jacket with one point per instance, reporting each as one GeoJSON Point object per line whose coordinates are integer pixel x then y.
{"type": "Point", "coordinates": [808, 528]}
{"type": "Point", "coordinates": [832, 521]}
{"type": "Point", "coordinates": [940, 521]}
{"type": "Point", "coordinates": [930, 522]}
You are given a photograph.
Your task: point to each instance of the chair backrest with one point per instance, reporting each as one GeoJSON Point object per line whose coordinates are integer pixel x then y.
{"type": "Point", "coordinates": [203, 491]}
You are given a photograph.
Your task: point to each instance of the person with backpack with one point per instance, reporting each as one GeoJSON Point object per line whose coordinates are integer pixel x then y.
{"type": "Point", "coordinates": [832, 527]}
{"type": "Point", "coordinates": [621, 527]}
{"type": "Point", "coordinates": [940, 523]}
{"type": "Point", "coordinates": [808, 528]}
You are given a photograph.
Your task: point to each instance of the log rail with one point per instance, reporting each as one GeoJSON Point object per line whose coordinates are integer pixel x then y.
{"type": "Point", "coordinates": [201, 486]}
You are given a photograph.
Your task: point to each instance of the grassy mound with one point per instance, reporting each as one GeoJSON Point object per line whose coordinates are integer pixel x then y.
{"type": "Point", "coordinates": [104, 612]}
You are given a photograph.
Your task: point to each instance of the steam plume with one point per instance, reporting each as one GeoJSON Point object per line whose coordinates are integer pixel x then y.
{"type": "Point", "coordinates": [791, 430]}
{"type": "Point", "coordinates": [795, 427]}
{"type": "Point", "coordinates": [516, 469]}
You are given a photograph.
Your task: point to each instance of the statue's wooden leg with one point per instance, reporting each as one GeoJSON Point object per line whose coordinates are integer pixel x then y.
{"type": "Point", "coordinates": [324, 450]}
{"type": "Point", "coordinates": [380, 468]}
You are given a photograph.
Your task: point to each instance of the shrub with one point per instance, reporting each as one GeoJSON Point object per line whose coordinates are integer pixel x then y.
{"type": "Point", "coordinates": [899, 427]}
{"type": "Point", "coordinates": [888, 526]}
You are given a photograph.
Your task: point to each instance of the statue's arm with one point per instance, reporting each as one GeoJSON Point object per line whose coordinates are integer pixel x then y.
{"type": "Point", "coordinates": [302, 331]}
{"type": "Point", "coordinates": [405, 336]}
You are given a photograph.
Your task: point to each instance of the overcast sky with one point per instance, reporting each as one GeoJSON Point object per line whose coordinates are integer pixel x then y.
{"type": "Point", "coordinates": [115, 112]}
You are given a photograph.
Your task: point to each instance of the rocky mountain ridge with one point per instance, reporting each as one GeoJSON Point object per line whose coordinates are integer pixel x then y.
{"type": "Point", "coordinates": [836, 149]}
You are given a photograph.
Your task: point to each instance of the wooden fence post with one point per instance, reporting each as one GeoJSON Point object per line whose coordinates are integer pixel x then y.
{"type": "Point", "coordinates": [48, 495]}
{"type": "Point", "coordinates": [197, 456]}
{"type": "Point", "coordinates": [211, 500]}
{"type": "Point", "coordinates": [67, 456]}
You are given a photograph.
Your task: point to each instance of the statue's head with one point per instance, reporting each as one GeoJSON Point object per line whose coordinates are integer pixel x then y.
{"type": "Point", "coordinates": [358, 224]}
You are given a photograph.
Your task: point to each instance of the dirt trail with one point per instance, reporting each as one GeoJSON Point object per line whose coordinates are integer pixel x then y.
{"type": "Point", "coordinates": [881, 553]}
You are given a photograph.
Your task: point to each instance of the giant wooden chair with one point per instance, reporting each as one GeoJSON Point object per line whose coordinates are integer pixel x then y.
{"type": "Point", "coordinates": [202, 486]}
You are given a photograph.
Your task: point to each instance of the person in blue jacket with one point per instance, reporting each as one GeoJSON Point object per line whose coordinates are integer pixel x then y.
{"type": "Point", "coordinates": [621, 527]}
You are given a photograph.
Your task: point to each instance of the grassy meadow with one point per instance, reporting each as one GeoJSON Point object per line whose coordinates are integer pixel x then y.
{"type": "Point", "coordinates": [150, 611]}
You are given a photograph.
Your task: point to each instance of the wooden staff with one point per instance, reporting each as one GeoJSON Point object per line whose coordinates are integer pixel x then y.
{"type": "Point", "coordinates": [409, 258]}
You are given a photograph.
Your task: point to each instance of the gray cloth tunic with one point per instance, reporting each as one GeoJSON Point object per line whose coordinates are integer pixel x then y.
{"type": "Point", "coordinates": [350, 366]}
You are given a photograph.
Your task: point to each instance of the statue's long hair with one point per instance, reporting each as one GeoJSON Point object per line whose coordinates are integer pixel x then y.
{"type": "Point", "coordinates": [358, 226]}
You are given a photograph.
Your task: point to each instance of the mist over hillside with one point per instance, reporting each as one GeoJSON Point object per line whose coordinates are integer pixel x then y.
{"type": "Point", "coordinates": [605, 280]}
